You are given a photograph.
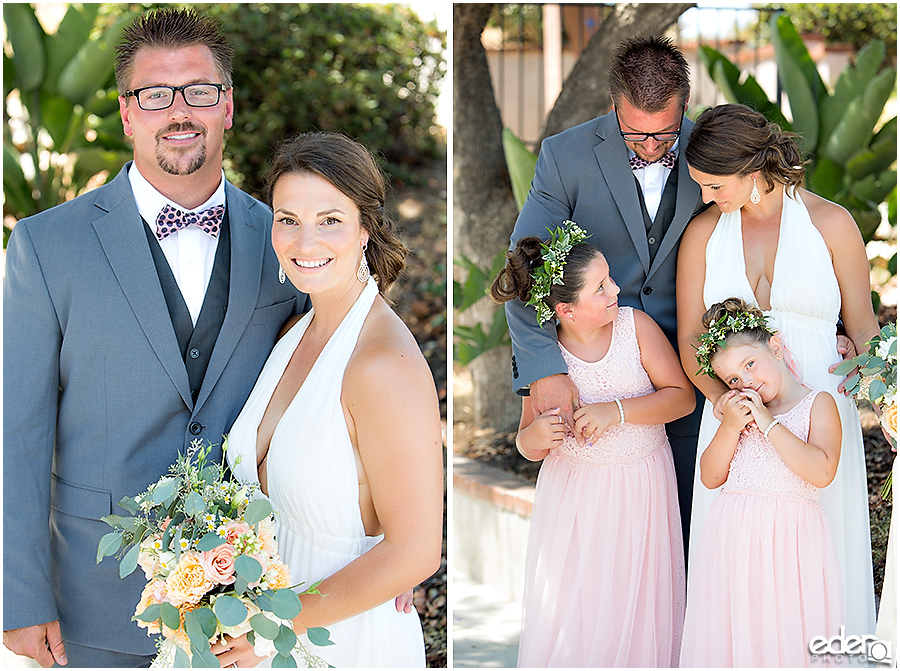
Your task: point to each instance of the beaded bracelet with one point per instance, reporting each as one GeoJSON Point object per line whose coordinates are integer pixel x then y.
{"type": "Point", "coordinates": [769, 428]}
{"type": "Point", "coordinates": [621, 412]}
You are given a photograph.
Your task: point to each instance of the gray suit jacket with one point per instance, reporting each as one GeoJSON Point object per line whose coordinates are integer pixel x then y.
{"type": "Point", "coordinates": [583, 174]}
{"type": "Point", "coordinates": [96, 396]}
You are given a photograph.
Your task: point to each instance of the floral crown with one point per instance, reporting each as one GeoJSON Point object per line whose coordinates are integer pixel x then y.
{"type": "Point", "coordinates": [715, 335]}
{"type": "Point", "coordinates": [550, 272]}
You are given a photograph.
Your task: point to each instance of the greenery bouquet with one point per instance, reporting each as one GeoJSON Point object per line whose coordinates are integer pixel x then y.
{"type": "Point", "coordinates": [876, 381]}
{"type": "Point", "coordinates": [207, 547]}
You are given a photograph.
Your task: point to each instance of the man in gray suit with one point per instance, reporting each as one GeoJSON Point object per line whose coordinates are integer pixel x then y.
{"type": "Point", "coordinates": [619, 178]}
{"type": "Point", "coordinates": [136, 320]}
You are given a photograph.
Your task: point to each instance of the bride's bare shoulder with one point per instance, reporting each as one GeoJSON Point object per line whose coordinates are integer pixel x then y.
{"type": "Point", "coordinates": [386, 352]}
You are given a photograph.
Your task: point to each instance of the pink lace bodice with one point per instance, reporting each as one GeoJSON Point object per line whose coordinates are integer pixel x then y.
{"type": "Point", "coordinates": [619, 374]}
{"type": "Point", "coordinates": [757, 468]}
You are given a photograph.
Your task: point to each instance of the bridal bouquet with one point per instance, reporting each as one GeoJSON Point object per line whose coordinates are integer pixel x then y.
{"type": "Point", "coordinates": [876, 380]}
{"type": "Point", "coordinates": [208, 551]}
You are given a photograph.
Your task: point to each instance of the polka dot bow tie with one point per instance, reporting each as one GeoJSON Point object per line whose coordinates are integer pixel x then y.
{"type": "Point", "coordinates": [171, 219]}
{"type": "Point", "coordinates": [667, 161]}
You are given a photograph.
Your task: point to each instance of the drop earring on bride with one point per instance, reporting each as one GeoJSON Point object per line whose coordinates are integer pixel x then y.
{"type": "Point", "coordinates": [281, 277]}
{"type": "Point", "coordinates": [754, 194]}
{"type": "Point", "coordinates": [362, 273]}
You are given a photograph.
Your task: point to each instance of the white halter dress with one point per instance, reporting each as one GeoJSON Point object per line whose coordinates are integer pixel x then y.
{"type": "Point", "coordinates": [805, 300]}
{"type": "Point", "coordinates": [313, 486]}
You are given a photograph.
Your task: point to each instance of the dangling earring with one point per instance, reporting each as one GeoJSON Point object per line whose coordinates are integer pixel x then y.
{"type": "Point", "coordinates": [754, 195]}
{"type": "Point", "coordinates": [280, 274]}
{"type": "Point", "coordinates": [362, 273]}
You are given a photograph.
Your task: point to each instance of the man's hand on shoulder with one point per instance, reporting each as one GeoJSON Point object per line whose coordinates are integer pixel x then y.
{"type": "Point", "coordinates": [555, 391]}
{"type": "Point", "coordinates": [41, 642]}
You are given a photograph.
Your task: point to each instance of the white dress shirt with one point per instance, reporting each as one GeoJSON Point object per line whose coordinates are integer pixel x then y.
{"type": "Point", "coordinates": [653, 182]}
{"type": "Point", "coordinates": [190, 252]}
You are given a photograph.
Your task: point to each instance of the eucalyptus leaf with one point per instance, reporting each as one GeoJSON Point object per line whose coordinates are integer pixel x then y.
{"type": "Point", "coordinates": [164, 490]}
{"type": "Point", "coordinates": [109, 545]}
{"type": "Point", "coordinates": [182, 661]}
{"type": "Point", "coordinates": [207, 620]}
{"type": "Point", "coordinates": [319, 636]}
{"type": "Point", "coordinates": [230, 611]}
{"type": "Point", "coordinates": [248, 568]}
{"type": "Point", "coordinates": [210, 541]}
{"type": "Point", "coordinates": [194, 504]}
{"type": "Point", "coordinates": [286, 640]}
{"type": "Point", "coordinates": [170, 615]}
{"type": "Point", "coordinates": [280, 661]}
{"type": "Point", "coordinates": [877, 389]}
{"type": "Point", "coordinates": [852, 383]}
{"type": "Point", "coordinates": [129, 504]}
{"type": "Point", "coordinates": [257, 511]}
{"type": "Point", "coordinates": [264, 626]}
{"type": "Point", "coordinates": [149, 614]}
{"type": "Point", "coordinates": [286, 604]}
{"type": "Point", "coordinates": [202, 657]}
{"type": "Point", "coordinates": [129, 561]}
{"type": "Point", "coordinates": [845, 366]}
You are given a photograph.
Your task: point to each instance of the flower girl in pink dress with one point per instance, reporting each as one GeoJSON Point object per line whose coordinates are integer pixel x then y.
{"type": "Point", "coordinates": [767, 580]}
{"type": "Point", "coordinates": [604, 571]}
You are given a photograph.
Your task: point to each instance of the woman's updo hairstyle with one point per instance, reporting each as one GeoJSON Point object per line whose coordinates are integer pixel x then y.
{"type": "Point", "coordinates": [736, 140]}
{"type": "Point", "coordinates": [515, 280]}
{"type": "Point", "coordinates": [349, 167]}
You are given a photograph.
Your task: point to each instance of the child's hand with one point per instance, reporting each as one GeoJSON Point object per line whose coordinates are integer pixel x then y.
{"type": "Point", "coordinates": [751, 400]}
{"type": "Point", "coordinates": [736, 414]}
{"type": "Point", "coordinates": [546, 432]}
{"type": "Point", "coordinates": [404, 602]}
{"type": "Point", "coordinates": [593, 419]}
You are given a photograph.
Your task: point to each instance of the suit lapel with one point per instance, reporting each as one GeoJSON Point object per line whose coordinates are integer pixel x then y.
{"type": "Point", "coordinates": [248, 221]}
{"type": "Point", "coordinates": [612, 157]}
{"type": "Point", "coordinates": [125, 244]}
{"type": "Point", "coordinates": [685, 200]}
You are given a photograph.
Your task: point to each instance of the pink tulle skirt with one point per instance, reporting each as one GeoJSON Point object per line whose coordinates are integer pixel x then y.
{"type": "Point", "coordinates": [766, 583]}
{"type": "Point", "coordinates": [605, 580]}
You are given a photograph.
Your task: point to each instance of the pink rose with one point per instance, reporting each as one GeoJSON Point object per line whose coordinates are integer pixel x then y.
{"type": "Point", "coordinates": [235, 529]}
{"type": "Point", "coordinates": [218, 564]}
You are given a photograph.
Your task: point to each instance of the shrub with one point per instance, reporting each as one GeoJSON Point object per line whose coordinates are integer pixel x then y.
{"type": "Point", "coordinates": [370, 71]}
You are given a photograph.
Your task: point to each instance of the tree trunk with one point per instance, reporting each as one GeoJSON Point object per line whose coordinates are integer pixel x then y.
{"type": "Point", "coordinates": [484, 210]}
{"type": "Point", "coordinates": [585, 93]}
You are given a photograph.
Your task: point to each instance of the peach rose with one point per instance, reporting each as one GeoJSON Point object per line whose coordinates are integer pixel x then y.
{"type": "Point", "coordinates": [233, 530]}
{"type": "Point", "coordinates": [889, 419]}
{"type": "Point", "coordinates": [187, 583]}
{"type": "Point", "coordinates": [266, 535]}
{"type": "Point", "coordinates": [219, 564]}
{"type": "Point", "coordinates": [278, 576]}
{"type": "Point", "coordinates": [154, 592]}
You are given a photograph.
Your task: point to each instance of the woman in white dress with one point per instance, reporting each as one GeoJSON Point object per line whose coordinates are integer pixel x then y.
{"type": "Point", "coordinates": [801, 259]}
{"type": "Point", "coordinates": [342, 430]}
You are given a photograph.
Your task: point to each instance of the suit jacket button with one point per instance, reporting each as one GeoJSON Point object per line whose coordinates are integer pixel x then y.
{"type": "Point", "coordinates": [194, 353]}
{"type": "Point", "coordinates": [195, 428]}
{"type": "Point", "coordinates": [648, 291]}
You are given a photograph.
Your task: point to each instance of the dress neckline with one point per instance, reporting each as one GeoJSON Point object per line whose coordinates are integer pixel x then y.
{"type": "Point", "coordinates": [743, 257]}
{"type": "Point", "coordinates": [293, 337]}
{"type": "Point", "coordinates": [612, 341]}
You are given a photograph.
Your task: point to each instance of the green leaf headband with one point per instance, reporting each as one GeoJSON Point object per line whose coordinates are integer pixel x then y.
{"type": "Point", "coordinates": [714, 337]}
{"type": "Point", "coordinates": [545, 276]}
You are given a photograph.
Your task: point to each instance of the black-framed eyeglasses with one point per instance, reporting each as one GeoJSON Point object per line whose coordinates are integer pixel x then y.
{"type": "Point", "coordinates": [663, 136]}
{"type": "Point", "coordinates": [153, 98]}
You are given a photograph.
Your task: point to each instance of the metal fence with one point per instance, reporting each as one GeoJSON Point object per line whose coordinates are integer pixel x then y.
{"type": "Point", "coordinates": [515, 43]}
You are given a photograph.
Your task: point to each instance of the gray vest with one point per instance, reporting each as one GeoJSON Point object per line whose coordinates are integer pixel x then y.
{"type": "Point", "coordinates": [196, 342]}
{"type": "Point", "coordinates": [657, 228]}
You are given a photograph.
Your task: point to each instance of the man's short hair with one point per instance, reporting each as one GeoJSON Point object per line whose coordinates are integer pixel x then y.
{"type": "Point", "coordinates": [649, 72]}
{"type": "Point", "coordinates": [171, 29]}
